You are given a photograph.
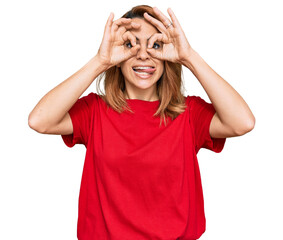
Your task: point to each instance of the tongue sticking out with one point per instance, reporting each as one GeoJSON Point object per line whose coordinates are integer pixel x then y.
{"type": "Point", "coordinates": [147, 70]}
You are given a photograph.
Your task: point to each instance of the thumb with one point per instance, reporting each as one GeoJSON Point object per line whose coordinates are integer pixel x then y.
{"type": "Point", "coordinates": [132, 52]}
{"type": "Point", "coordinates": [154, 53]}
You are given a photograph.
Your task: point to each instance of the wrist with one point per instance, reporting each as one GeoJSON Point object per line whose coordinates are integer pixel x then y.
{"type": "Point", "coordinates": [102, 65]}
{"type": "Point", "coordinates": [191, 58]}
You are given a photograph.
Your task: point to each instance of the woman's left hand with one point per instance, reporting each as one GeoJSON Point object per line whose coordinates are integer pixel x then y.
{"type": "Point", "coordinates": [175, 46]}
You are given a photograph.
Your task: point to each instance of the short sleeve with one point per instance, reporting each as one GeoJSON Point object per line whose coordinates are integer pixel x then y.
{"type": "Point", "coordinates": [201, 114]}
{"type": "Point", "coordinates": [81, 115]}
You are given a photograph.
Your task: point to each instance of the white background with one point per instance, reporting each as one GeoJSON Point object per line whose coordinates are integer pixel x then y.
{"type": "Point", "coordinates": [44, 42]}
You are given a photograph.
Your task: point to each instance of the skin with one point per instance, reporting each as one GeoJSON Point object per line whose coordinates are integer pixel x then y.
{"type": "Point", "coordinates": [233, 116]}
{"type": "Point", "coordinates": [136, 87]}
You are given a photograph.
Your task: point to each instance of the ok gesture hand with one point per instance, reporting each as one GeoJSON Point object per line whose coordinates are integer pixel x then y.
{"type": "Point", "coordinates": [112, 50]}
{"type": "Point", "coordinates": [176, 47]}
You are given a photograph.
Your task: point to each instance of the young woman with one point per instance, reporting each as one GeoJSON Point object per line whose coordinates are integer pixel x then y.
{"type": "Point", "coordinates": [141, 177]}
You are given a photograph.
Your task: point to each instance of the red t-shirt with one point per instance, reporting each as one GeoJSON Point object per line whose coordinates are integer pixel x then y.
{"type": "Point", "coordinates": [141, 181]}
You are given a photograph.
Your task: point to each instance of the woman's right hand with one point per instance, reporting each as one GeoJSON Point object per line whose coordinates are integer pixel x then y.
{"type": "Point", "coordinates": [113, 50]}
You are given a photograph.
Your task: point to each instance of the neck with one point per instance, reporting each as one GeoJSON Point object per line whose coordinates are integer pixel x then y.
{"type": "Point", "coordinates": [154, 98]}
{"type": "Point", "coordinates": [148, 97]}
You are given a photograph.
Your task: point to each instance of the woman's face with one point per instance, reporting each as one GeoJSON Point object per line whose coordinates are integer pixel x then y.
{"type": "Point", "coordinates": [141, 72]}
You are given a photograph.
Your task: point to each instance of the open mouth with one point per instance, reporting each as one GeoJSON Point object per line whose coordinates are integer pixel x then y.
{"type": "Point", "coordinates": [144, 70]}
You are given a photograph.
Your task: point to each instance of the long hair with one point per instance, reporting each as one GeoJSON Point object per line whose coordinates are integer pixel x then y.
{"type": "Point", "coordinates": [169, 87]}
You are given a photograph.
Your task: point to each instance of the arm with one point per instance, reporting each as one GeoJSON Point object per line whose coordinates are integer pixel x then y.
{"type": "Point", "coordinates": [51, 115]}
{"type": "Point", "coordinates": [233, 116]}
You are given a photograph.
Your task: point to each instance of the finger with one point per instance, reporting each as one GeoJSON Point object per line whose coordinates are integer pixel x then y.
{"type": "Point", "coordinates": [174, 18]}
{"type": "Point", "coordinates": [159, 25]}
{"type": "Point", "coordinates": [123, 28]}
{"type": "Point", "coordinates": [130, 25]}
{"type": "Point", "coordinates": [154, 53]}
{"type": "Point", "coordinates": [166, 21]}
{"type": "Point", "coordinates": [156, 37]}
{"type": "Point", "coordinates": [122, 21]}
{"type": "Point", "coordinates": [109, 22]}
{"type": "Point", "coordinates": [119, 22]}
{"type": "Point", "coordinates": [135, 25]}
{"type": "Point", "coordinates": [129, 36]}
{"type": "Point", "coordinates": [132, 52]}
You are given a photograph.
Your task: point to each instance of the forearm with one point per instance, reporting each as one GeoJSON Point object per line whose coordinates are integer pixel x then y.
{"type": "Point", "coordinates": [51, 109]}
{"type": "Point", "coordinates": [231, 108]}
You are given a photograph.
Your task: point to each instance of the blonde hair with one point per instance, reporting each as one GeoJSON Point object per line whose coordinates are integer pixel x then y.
{"type": "Point", "coordinates": [169, 86]}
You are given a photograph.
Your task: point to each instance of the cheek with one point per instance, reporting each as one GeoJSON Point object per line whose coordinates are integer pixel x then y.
{"type": "Point", "coordinates": [125, 70]}
{"type": "Point", "coordinates": [161, 68]}
{"type": "Point", "coordinates": [125, 67]}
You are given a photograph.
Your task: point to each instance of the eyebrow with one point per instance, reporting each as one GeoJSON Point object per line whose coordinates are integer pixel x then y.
{"type": "Point", "coordinates": [139, 39]}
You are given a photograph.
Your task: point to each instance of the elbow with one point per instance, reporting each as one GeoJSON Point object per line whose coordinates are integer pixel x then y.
{"type": "Point", "coordinates": [252, 124]}
{"type": "Point", "coordinates": [35, 124]}
{"type": "Point", "coordinates": [247, 127]}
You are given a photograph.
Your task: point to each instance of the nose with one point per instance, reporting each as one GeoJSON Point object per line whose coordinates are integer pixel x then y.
{"type": "Point", "coordinates": [142, 53]}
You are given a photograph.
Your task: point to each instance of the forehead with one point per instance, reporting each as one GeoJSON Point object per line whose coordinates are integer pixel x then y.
{"type": "Point", "coordinates": [146, 29]}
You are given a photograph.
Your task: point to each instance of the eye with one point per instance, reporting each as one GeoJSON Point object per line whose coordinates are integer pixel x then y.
{"type": "Point", "coordinates": [156, 45]}
{"type": "Point", "coordinates": [129, 45]}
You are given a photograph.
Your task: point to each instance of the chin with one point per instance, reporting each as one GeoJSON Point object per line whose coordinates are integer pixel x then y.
{"type": "Point", "coordinates": [143, 84]}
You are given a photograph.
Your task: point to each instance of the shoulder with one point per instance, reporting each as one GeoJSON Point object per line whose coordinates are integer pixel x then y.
{"type": "Point", "coordinates": [91, 98]}
{"type": "Point", "coordinates": [97, 101]}
{"type": "Point", "coordinates": [192, 100]}
{"type": "Point", "coordinates": [86, 102]}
